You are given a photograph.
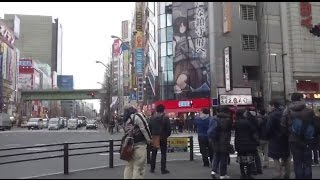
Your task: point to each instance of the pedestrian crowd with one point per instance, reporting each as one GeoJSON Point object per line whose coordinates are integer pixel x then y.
{"type": "Point", "coordinates": [282, 134]}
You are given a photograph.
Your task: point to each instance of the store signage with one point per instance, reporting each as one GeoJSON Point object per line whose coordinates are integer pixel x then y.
{"type": "Point", "coordinates": [311, 95]}
{"type": "Point", "coordinates": [185, 103]}
{"type": "Point", "coordinates": [6, 35]}
{"type": "Point", "coordinates": [306, 14]}
{"type": "Point", "coordinates": [138, 18]}
{"type": "Point", "coordinates": [227, 68]}
{"type": "Point", "coordinates": [235, 100]}
{"type": "Point", "coordinates": [139, 61]}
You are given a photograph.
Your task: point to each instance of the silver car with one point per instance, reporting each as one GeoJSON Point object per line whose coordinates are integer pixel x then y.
{"type": "Point", "coordinates": [72, 124]}
{"type": "Point", "coordinates": [54, 123]}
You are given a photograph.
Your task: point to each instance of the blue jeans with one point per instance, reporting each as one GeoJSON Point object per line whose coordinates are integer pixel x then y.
{"type": "Point", "coordinates": [302, 160]}
{"type": "Point", "coordinates": [220, 160]}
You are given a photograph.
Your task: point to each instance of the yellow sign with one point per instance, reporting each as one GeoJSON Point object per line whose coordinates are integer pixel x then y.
{"type": "Point", "coordinates": [178, 142]}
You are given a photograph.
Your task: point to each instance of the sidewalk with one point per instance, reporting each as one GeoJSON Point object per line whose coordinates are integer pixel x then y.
{"type": "Point", "coordinates": [178, 170]}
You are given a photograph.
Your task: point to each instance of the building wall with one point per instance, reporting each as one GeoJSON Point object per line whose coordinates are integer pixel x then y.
{"type": "Point", "coordinates": [35, 37]}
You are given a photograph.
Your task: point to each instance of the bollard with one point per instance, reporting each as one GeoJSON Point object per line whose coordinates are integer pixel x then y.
{"type": "Point", "coordinates": [65, 158]}
{"type": "Point", "coordinates": [148, 154]}
{"type": "Point", "coordinates": [191, 148]}
{"type": "Point", "coordinates": [110, 153]}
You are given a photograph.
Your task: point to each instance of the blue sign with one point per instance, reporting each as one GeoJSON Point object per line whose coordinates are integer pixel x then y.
{"type": "Point", "coordinates": [133, 96]}
{"type": "Point", "coordinates": [65, 82]}
{"type": "Point", "coordinates": [184, 103]}
{"type": "Point", "coordinates": [139, 62]}
{"type": "Point", "coordinates": [25, 63]}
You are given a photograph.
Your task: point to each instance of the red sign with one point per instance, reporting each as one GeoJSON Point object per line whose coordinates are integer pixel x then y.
{"type": "Point", "coordinates": [116, 47]}
{"type": "Point", "coordinates": [305, 12]}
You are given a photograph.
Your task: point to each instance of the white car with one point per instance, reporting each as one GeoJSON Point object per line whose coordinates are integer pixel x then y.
{"type": "Point", "coordinates": [35, 123]}
{"type": "Point", "coordinates": [72, 124]}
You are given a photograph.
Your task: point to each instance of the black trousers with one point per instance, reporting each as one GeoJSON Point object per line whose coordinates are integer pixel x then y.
{"type": "Point", "coordinates": [205, 149]}
{"type": "Point", "coordinates": [163, 149]}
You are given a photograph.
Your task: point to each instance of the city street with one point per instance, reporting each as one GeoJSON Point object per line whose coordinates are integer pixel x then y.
{"type": "Point", "coordinates": [25, 137]}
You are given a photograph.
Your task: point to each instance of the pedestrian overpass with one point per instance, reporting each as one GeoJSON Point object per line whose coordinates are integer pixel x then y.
{"type": "Point", "coordinates": [78, 94]}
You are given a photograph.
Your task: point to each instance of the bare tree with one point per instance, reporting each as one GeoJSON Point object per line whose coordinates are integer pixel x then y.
{"type": "Point", "coordinates": [105, 101]}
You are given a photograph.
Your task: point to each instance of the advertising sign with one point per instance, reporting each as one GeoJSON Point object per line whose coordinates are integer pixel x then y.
{"type": "Point", "coordinates": [140, 90]}
{"type": "Point", "coordinates": [125, 31]}
{"type": "Point", "coordinates": [139, 40]}
{"type": "Point", "coordinates": [177, 144]}
{"type": "Point", "coordinates": [25, 62]}
{"type": "Point", "coordinates": [235, 100]}
{"type": "Point", "coordinates": [226, 16]}
{"type": "Point", "coordinates": [138, 17]}
{"type": "Point", "coordinates": [65, 82]}
{"type": "Point", "coordinates": [184, 104]}
{"type": "Point", "coordinates": [116, 48]}
{"type": "Point", "coordinates": [25, 81]}
{"type": "Point", "coordinates": [139, 62]}
{"type": "Point", "coordinates": [227, 68]}
{"type": "Point", "coordinates": [306, 14]}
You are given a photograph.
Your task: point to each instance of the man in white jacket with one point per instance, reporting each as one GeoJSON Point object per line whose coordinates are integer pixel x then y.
{"type": "Point", "coordinates": [135, 169]}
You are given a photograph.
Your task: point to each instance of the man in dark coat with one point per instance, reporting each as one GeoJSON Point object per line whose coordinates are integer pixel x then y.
{"type": "Point", "coordinates": [160, 125]}
{"type": "Point", "coordinates": [246, 142]}
{"type": "Point", "coordinates": [278, 141]}
{"type": "Point", "coordinates": [221, 145]}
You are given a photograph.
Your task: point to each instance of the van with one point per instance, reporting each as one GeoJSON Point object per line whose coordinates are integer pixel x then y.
{"type": "Point", "coordinates": [5, 122]}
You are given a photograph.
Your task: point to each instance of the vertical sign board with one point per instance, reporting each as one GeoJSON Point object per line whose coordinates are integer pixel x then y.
{"type": "Point", "coordinates": [227, 68]}
{"type": "Point", "coordinates": [226, 17]}
{"type": "Point", "coordinates": [306, 14]}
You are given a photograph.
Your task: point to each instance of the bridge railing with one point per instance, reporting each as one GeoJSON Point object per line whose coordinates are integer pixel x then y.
{"type": "Point", "coordinates": [67, 150]}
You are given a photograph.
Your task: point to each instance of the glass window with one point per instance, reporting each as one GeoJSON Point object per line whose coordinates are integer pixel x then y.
{"type": "Point", "coordinates": [152, 55]}
{"type": "Point", "coordinates": [170, 76]}
{"type": "Point", "coordinates": [169, 19]}
{"type": "Point", "coordinates": [169, 48]}
{"type": "Point", "coordinates": [162, 21]}
{"type": "Point", "coordinates": [163, 63]}
{"type": "Point", "coordinates": [151, 6]}
{"type": "Point", "coordinates": [163, 49]}
{"type": "Point", "coordinates": [152, 30]}
{"type": "Point", "coordinates": [162, 7]}
{"type": "Point", "coordinates": [169, 33]}
{"type": "Point", "coordinates": [163, 35]}
{"type": "Point", "coordinates": [169, 63]}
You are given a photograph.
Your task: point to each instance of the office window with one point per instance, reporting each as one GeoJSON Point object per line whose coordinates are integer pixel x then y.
{"type": "Point", "coordinates": [249, 42]}
{"type": "Point", "coordinates": [169, 19]}
{"type": "Point", "coordinates": [248, 12]}
{"type": "Point", "coordinates": [163, 62]}
{"type": "Point", "coordinates": [169, 33]}
{"type": "Point", "coordinates": [162, 20]}
{"type": "Point", "coordinates": [162, 7]}
{"type": "Point", "coordinates": [169, 48]}
{"type": "Point", "coordinates": [163, 37]}
{"type": "Point", "coordinates": [163, 49]}
{"type": "Point", "coordinates": [169, 63]}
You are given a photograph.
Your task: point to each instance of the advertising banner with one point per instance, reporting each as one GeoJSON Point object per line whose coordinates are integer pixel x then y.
{"type": "Point", "coordinates": [4, 48]}
{"type": "Point", "coordinates": [139, 61]}
{"type": "Point", "coordinates": [226, 17]}
{"type": "Point", "coordinates": [25, 81]}
{"type": "Point", "coordinates": [126, 68]}
{"type": "Point", "coordinates": [139, 39]}
{"type": "Point", "coordinates": [227, 68]}
{"type": "Point", "coordinates": [65, 82]}
{"type": "Point", "coordinates": [177, 144]}
{"type": "Point", "coordinates": [125, 30]}
{"type": "Point", "coordinates": [116, 48]}
{"type": "Point", "coordinates": [191, 64]}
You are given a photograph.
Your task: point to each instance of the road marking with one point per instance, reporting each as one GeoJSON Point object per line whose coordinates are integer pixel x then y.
{"type": "Point", "coordinates": [12, 145]}
{"type": "Point", "coordinates": [107, 154]}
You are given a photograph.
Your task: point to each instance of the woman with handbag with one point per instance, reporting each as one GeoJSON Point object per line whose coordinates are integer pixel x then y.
{"type": "Point", "coordinates": [136, 127]}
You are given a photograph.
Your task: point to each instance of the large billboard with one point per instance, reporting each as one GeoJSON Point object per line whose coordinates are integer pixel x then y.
{"type": "Point", "coordinates": [25, 81]}
{"type": "Point", "coordinates": [65, 82]}
{"type": "Point", "coordinates": [190, 47]}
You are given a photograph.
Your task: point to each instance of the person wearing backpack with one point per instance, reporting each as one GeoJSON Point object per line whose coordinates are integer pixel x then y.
{"type": "Point", "coordinates": [202, 124]}
{"type": "Point", "coordinates": [300, 123]}
{"type": "Point", "coordinates": [160, 126]}
{"type": "Point", "coordinates": [137, 124]}
{"type": "Point", "coordinates": [278, 141]}
{"type": "Point", "coordinates": [221, 141]}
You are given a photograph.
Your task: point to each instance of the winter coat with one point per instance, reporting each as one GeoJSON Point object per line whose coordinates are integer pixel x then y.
{"type": "Point", "coordinates": [278, 141]}
{"type": "Point", "coordinates": [160, 125]}
{"type": "Point", "coordinates": [202, 124]}
{"type": "Point", "coordinates": [246, 134]}
{"type": "Point", "coordinates": [222, 144]}
{"type": "Point", "coordinates": [262, 131]}
{"type": "Point", "coordinates": [297, 109]}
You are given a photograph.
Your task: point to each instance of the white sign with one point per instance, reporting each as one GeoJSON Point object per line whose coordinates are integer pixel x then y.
{"type": "Point", "coordinates": [235, 99]}
{"type": "Point", "coordinates": [25, 81]}
{"type": "Point", "coordinates": [227, 68]}
{"type": "Point", "coordinates": [184, 104]}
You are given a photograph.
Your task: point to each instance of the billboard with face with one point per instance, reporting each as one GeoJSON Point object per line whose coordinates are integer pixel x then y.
{"type": "Point", "coordinates": [190, 47]}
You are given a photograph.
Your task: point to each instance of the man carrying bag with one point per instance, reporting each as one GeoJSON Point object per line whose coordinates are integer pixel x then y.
{"type": "Point", "coordinates": [160, 129]}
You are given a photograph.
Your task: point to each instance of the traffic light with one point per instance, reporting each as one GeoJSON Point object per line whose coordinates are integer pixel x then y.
{"type": "Point", "coordinates": [92, 94]}
{"type": "Point", "coordinates": [315, 30]}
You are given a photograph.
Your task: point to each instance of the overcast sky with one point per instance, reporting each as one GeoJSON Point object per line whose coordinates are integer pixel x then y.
{"type": "Point", "coordinates": [87, 28]}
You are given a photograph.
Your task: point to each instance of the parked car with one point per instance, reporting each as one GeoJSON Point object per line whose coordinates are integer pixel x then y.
{"type": "Point", "coordinates": [73, 124]}
{"type": "Point", "coordinates": [45, 123]}
{"type": "Point", "coordinates": [54, 123]}
{"type": "Point", "coordinates": [91, 124]}
{"type": "Point", "coordinates": [5, 122]}
{"type": "Point", "coordinates": [24, 124]}
{"type": "Point", "coordinates": [35, 123]}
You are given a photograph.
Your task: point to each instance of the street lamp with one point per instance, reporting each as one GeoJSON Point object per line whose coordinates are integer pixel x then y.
{"type": "Point", "coordinates": [116, 37]}
{"type": "Point", "coordinates": [99, 62]}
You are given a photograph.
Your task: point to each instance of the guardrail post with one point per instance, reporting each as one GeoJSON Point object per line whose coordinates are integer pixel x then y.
{"type": "Point", "coordinates": [191, 148]}
{"type": "Point", "coordinates": [110, 153]}
{"type": "Point", "coordinates": [148, 154]}
{"type": "Point", "coordinates": [65, 158]}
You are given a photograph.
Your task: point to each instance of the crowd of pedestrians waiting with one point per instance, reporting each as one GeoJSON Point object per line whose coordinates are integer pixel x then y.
{"type": "Point", "coordinates": [280, 133]}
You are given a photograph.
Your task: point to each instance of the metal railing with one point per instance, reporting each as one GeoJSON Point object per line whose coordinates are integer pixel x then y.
{"type": "Point", "coordinates": [65, 149]}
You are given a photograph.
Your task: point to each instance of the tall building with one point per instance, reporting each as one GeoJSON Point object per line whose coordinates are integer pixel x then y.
{"type": "Point", "coordinates": [40, 39]}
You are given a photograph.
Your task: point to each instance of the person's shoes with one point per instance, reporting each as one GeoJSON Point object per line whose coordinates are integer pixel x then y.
{"type": "Point", "coordinates": [225, 177]}
{"type": "Point", "coordinates": [213, 175]}
{"type": "Point", "coordinates": [166, 171]}
{"type": "Point", "coordinates": [206, 164]}
{"type": "Point", "coordinates": [152, 170]}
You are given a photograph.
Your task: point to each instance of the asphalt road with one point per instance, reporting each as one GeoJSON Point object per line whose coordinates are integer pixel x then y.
{"type": "Point", "coordinates": [25, 137]}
